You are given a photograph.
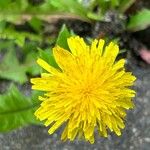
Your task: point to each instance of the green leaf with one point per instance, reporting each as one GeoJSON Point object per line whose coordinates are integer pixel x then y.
{"type": "Point", "coordinates": [2, 25]}
{"type": "Point", "coordinates": [68, 6]}
{"type": "Point", "coordinates": [139, 21]}
{"type": "Point", "coordinates": [13, 35]}
{"type": "Point", "coordinates": [47, 55]}
{"type": "Point", "coordinates": [36, 24]}
{"type": "Point", "coordinates": [11, 69]}
{"type": "Point", "coordinates": [17, 110]}
{"type": "Point", "coordinates": [125, 5]}
{"type": "Point", "coordinates": [6, 44]}
{"type": "Point", "coordinates": [62, 37]}
{"type": "Point", "coordinates": [18, 37]}
{"type": "Point", "coordinates": [15, 6]}
{"type": "Point", "coordinates": [114, 3]}
{"type": "Point", "coordinates": [103, 5]}
{"type": "Point", "coordinates": [4, 3]}
{"type": "Point", "coordinates": [95, 16]}
{"type": "Point", "coordinates": [30, 64]}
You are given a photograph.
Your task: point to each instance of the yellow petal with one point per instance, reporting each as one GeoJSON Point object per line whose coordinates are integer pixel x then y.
{"type": "Point", "coordinates": [101, 46]}
{"type": "Point", "coordinates": [44, 84]}
{"type": "Point", "coordinates": [94, 49]}
{"type": "Point", "coordinates": [63, 58]}
{"type": "Point", "coordinates": [77, 45]}
{"type": "Point", "coordinates": [110, 53]}
{"type": "Point", "coordinates": [47, 67]}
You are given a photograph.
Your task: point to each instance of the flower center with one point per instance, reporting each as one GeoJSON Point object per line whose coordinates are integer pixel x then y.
{"type": "Point", "coordinates": [86, 92]}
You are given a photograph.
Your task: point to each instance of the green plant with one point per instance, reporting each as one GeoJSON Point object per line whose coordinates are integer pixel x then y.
{"type": "Point", "coordinates": [139, 21]}
{"type": "Point", "coordinates": [17, 110]}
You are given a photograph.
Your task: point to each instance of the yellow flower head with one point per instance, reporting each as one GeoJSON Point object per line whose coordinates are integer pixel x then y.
{"type": "Point", "coordinates": [88, 92]}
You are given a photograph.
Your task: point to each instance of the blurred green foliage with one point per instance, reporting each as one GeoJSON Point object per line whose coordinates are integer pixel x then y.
{"type": "Point", "coordinates": [24, 38]}
{"type": "Point", "coordinates": [16, 109]}
{"type": "Point", "coordinates": [118, 5]}
{"type": "Point", "coordinates": [17, 10]}
{"type": "Point", "coordinates": [139, 21]}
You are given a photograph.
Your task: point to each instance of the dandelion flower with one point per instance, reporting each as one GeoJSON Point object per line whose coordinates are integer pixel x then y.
{"type": "Point", "coordinates": [88, 92]}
